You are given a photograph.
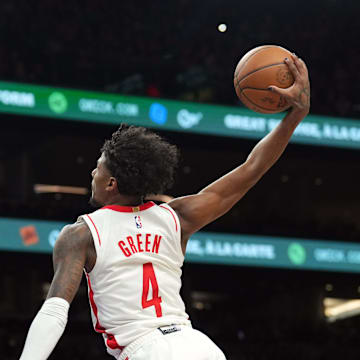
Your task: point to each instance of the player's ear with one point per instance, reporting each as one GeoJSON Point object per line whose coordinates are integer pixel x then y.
{"type": "Point", "coordinates": [112, 184]}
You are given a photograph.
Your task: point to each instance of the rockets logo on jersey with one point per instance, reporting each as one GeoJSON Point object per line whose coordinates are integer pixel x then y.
{"type": "Point", "coordinates": [138, 222]}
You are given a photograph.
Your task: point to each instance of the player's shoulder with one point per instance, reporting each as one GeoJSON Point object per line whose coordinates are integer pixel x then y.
{"type": "Point", "coordinates": [73, 235]}
{"type": "Point", "coordinates": [77, 227]}
{"type": "Point", "coordinates": [178, 204]}
{"type": "Point", "coordinates": [167, 206]}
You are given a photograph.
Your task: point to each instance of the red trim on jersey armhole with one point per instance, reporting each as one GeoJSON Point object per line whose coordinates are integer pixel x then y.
{"type": "Point", "coordinates": [176, 226]}
{"type": "Point", "coordinates": [98, 327]}
{"type": "Point", "coordinates": [95, 228]}
{"type": "Point", "coordinates": [129, 208]}
{"type": "Point", "coordinates": [110, 341]}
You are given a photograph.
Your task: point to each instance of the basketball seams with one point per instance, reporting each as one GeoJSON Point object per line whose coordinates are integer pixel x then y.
{"type": "Point", "coordinates": [250, 56]}
{"type": "Point", "coordinates": [255, 52]}
{"type": "Point", "coordinates": [253, 103]}
{"type": "Point", "coordinates": [258, 69]}
{"type": "Point", "coordinates": [256, 105]}
{"type": "Point", "coordinates": [261, 67]}
{"type": "Point", "coordinates": [252, 88]}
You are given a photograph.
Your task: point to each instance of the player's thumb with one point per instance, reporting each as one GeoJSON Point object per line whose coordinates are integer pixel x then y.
{"type": "Point", "coordinates": [277, 90]}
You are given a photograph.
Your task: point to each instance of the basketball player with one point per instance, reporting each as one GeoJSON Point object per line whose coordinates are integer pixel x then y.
{"type": "Point", "coordinates": [132, 251]}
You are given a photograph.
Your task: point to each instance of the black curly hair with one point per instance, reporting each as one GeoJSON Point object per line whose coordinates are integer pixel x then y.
{"type": "Point", "coordinates": [142, 162]}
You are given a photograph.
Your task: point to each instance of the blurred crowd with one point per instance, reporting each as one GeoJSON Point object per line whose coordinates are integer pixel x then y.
{"type": "Point", "coordinates": [174, 49]}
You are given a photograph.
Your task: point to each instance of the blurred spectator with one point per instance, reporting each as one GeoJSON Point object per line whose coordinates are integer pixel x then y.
{"type": "Point", "coordinates": [174, 50]}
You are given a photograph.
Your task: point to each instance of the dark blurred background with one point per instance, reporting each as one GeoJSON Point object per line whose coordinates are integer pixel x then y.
{"type": "Point", "coordinates": [174, 50]}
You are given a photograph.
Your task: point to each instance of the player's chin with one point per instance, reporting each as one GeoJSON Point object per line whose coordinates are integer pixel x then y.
{"type": "Point", "coordinates": [93, 202]}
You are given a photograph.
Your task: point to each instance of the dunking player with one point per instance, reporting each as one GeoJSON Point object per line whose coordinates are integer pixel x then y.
{"type": "Point", "coordinates": [132, 251]}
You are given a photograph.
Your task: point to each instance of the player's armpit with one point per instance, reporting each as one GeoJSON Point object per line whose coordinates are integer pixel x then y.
{"type": "Point", "coordinates": [196, 211]}
{"type": "Point", "coordinates": [69, 258]}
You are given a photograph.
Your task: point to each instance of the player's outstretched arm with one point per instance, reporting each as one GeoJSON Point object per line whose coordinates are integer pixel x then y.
{"type": "Point", "coordinates": [198, 210]}
{"type": "Point", "coordinates": [69, 258]}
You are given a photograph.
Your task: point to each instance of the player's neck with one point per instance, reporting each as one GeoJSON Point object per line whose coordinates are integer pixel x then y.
{"type": "Point", "coordinates": [125, 200]}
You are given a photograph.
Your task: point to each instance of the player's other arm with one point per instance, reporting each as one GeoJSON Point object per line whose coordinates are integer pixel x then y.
{"type": "Point", "coordinates": [69, 258]}
{"type": "Point", "coordinates": [196, 211]}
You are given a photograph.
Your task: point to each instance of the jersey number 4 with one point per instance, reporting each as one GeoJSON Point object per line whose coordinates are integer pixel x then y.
{"type": "Point", "coordinates": [149, 277]}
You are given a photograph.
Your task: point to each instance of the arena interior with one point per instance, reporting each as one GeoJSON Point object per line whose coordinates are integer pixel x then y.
{"type": "Point", "coordinates": [173, 54]}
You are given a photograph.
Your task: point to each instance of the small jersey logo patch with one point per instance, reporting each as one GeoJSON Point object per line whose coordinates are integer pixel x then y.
{"type": "Point", "coordinates": [138, 222]}
{"type": "Point", "coordinates": [169, 329]}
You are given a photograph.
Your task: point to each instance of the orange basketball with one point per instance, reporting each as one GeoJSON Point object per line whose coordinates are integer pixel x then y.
{"type": "Point", "coordinates": [258, 69]}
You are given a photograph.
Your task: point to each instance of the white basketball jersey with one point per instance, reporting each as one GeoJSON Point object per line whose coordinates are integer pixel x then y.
{"type": "Point", "coordinates": [135, 283]}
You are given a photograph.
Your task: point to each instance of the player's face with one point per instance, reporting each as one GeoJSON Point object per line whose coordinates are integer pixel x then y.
{"type": "Point", "coordinates": [100, 181]}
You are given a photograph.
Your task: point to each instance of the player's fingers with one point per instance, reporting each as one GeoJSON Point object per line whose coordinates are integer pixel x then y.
{"type": "Point", "coordinates": [301, 65]}
{"type": "Point", "coordinates": [277, 90]}
{"type": "Point", "coordinates": [295, 59]}
{"type": "Point", "coordinates": [291, 64]}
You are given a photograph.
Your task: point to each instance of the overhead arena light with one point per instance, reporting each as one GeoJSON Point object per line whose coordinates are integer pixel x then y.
{"type": "Point", "coordinates": [338, 309]}
{"type": "Point", "coordinates": [59, 189]}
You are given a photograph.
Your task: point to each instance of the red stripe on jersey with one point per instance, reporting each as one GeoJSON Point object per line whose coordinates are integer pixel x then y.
{"type": "Point", "coordinates": [110, 341]}
{"type": "Point", "coordinates": [95, 228]}
{"type": "Point", "coordinates": [98, 327]}
{"type": "Point", "coordinates": [129, 208]}
{"type": "Point", "coordinates": [176, 226]}
{"type": "Point", "coordinates": [112, 344]}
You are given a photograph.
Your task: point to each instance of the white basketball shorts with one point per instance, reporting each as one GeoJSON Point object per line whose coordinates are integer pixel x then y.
{"type": "Point", "coordinates": [175, 342]}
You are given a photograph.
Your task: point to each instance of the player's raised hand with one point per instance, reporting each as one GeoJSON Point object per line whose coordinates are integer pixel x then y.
{"type": "Point", "coordinates": [298, 94]}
